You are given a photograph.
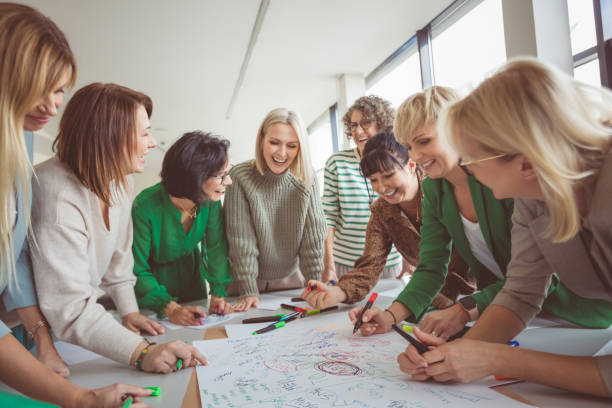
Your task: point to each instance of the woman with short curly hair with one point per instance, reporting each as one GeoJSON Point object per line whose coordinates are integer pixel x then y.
{"type": "Point", "coordinates": [347, 195]}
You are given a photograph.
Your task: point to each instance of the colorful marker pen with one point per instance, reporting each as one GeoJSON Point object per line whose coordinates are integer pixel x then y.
{"type": "Point", "coordinates": [367, 306]}
{"type": "Point", "coordinates": [270, 328]}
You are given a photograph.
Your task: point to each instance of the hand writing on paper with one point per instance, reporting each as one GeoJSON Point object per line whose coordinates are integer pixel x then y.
{"type": "Point", "coordinates": [445, 322]}
{"type": "Point", "coordinates": [375, 321]}
{"type": "Point", "coordinates": [184, 315]}
{"type": "Point", "coordinates": [246, 303]}
{"type": "Point", "coordinates": [323, 296]}
{"type": "Point", "coordinates": [162, 358]}
{"type": "Point", "coordinates": [137, 322]}
{"type": "Point", "coordinates": [460, 360]}
{"type": "Point", "coordinates": [218, 305]}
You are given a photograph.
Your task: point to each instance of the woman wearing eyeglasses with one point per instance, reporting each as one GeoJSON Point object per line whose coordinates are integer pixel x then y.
{"type": "Point", "coordinates": [533, 133]}
{"type": "Point", "coordinates": [171, 220]}
{"type": "Point", "coordinates": [347, 196]}
{"type": "Point", "coordinates": [458, 209]}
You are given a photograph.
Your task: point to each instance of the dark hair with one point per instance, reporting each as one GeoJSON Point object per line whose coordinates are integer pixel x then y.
{"type": "Point", "coordinates": [190, 161]}
{"type": "Point", "coordinates": [383, 153]}
{"type": "Point", "coordinates": [98, 123]}
{"type": "Point", "coordinates": [374, 108]}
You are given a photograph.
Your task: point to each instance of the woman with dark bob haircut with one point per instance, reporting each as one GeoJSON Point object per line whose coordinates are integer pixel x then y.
{"type": "Point", "coordinates": [171, 218]}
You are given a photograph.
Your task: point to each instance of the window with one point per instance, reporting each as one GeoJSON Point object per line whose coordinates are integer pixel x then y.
{"type": "Point", "coordinates": [468, 45]}
{"type": "Point", "coordinates": [584, 41]}
{"type": "Point", "coordinates": [321, 146]}
{"type": "Point", "coordinates": [400, 81]}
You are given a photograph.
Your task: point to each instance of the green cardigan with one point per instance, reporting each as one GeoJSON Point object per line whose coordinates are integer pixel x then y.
{"type": "Point", "coordinates": [442, 226]}
{"type": "Point", "coordinates": [168, 262]}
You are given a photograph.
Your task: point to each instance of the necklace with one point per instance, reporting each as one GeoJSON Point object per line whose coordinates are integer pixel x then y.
{"type": "Point", "coordinates": [193, 213]}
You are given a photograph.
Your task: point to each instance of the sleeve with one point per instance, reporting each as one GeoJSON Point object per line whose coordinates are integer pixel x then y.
{"type": "Point", "coordinates": [67, 297]}
{"type": "Point", "coordinates": [20, 291]}
{"type": "Point", "coordinates": [313, 236]}
{"type": "Point", "coordinates": [529, 275]}
{"type": "Point", "coordinates": [118, 280]}
{"type": "Point", "coordinates": [434, 255]}
{"type": "Point", "coordinates": [149, 292]}
{"type": "Point", "coordinates": [218, 272]}
{"type": "Point", "coordinates": [358, 282]}
{"type": "Point", "coordinates": [331, 202]}
{"type": "Point", "coordinates": [484, 297]}
{"type": "Point", "coordinates": [241, 239]}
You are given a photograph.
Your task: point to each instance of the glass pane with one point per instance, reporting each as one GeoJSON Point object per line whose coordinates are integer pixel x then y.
{"type": "Point", "coordinates": [582, 25]}
{"type": "Point", "coordinates": [469, 49]}
{"type": "Point", "coordinates": [588, 73]}
{"type": "Point", "coordinates": [400, 83]}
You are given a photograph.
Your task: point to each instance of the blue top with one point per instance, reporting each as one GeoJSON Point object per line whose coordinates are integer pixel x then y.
{"type": "Point", "coordinates": [15, 297]}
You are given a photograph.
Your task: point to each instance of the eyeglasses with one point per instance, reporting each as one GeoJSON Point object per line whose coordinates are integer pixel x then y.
{"type": "Point", "coordinates": [221, 179]}
{"type": "Point", "coordinates": [364, 123]}
{"type": "Point", "coordinates": [464, 164]}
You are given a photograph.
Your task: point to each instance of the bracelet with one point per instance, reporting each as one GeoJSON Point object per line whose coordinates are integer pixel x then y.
{"type": "Point", "coordinates": [35, 328]}
{"type": "Point", "coordinates": [143, 354]}
{"type": "Point", "coordinates": [392, 315]}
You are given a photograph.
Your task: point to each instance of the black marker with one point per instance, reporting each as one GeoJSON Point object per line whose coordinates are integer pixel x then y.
{"type": "Point", "coordinates": [363, 310]}
{"type": "Point", "coordinates": [421, 348]}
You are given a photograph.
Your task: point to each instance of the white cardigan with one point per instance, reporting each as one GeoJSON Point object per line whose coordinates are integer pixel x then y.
{"type": "Point", "coordinates": [75, 253]}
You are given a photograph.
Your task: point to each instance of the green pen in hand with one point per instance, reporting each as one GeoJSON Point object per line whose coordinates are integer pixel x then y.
{"type": "Point", "coordinates": [179, 363]}
{"type": "Point", "coordinates": [128, 401]}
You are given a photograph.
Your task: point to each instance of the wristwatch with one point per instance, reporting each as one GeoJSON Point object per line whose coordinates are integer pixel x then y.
{"type": "Point", "coordinates": [470, 306]}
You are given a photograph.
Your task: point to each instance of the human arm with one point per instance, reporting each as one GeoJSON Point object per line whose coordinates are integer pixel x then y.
{"type": "Point", "coordinates": [467, 360]}
{"type": "Point", "coordinates": [313, 235]}
{"type": "Point", "coordinates": [30, 377]}
{"type": "Point", "coordinates": [214, 255]}
{"type": "Point", "coordinates": [329, 265]}
{"type": "Point", "coordinates": [241, 239]}
{"type": "Point", "coordinates": [332, 210]}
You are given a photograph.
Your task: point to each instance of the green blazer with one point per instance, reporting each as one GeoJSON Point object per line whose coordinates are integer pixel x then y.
{"type": "Point", "coordinates": [442, 227]}
{"type": "Point", "coordinates": [173, 265]}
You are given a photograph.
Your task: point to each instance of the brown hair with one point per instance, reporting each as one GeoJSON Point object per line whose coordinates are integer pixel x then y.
{"type": "Point", "coordinates": [374, 108]}
{"type": "Point", "coordinates": [98, 126]}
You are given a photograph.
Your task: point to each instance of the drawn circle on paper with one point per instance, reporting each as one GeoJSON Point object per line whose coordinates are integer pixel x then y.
{"type": "Point", "coordinates": [340, 368]}
{"type": "Point", "coordinates": [337, 355]}
{"type": "Point", "coordinates": [281, 364]}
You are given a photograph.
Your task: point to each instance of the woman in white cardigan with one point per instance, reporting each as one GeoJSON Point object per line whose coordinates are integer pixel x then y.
{"type": "Point", "coordinates": [81, 216]}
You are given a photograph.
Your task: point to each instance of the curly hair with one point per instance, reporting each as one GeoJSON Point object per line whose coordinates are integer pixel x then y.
{"type": "Point", "coordinates": [374, 108]}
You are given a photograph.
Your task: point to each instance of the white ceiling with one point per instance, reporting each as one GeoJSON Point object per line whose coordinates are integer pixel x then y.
{"type": "Point", "coordinates": [187, 56]}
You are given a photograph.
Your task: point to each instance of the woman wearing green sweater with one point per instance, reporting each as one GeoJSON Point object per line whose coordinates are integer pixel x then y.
{"type": "Point", "coordinates": [179, 240]}
{"type": "Point", "coordinates": [459, 209]}
{"type": "Point", "coordinates": [274, 217]}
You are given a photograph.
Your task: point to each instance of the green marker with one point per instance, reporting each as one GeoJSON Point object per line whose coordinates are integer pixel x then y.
{"type": "Point", "coordinates": [408, 329]}
{"type": "Point", "coordinates": [270, 328]}
{"type": "Point", "coordinates": [128, 401]}
{"type": "Point", "coordinates": [157, 390]}
{"type": "Point", "coordinates": [179, 363]}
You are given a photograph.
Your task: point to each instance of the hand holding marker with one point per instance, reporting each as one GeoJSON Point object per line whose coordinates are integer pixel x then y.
{"type": "Point", "coordinates": [367, 306]}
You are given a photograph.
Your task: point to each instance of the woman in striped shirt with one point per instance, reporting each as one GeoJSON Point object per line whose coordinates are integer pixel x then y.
{"type": "Point", "coordinates": [347, 195]}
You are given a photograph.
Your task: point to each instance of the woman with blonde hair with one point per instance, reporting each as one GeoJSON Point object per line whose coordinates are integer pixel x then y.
{"type": "Point", "coordinates": [81, 215]}
{"type": "Point", "coordinates": [273, 215]}
{"type": "Point", "coordinates": [532, 133]}
{"type": "Point", "coordinates": [36, 65]}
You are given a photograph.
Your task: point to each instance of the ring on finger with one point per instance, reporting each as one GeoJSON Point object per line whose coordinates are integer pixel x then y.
{"type": "Point", "coordinates": [433, 333]}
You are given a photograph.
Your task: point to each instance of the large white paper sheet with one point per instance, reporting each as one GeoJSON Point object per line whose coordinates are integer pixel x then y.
{"type": "Point", "coordinates": [312, 364]}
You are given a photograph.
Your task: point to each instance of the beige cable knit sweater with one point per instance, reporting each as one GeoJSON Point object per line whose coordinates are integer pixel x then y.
{"type": "Point", "coordinates": [274, 224]}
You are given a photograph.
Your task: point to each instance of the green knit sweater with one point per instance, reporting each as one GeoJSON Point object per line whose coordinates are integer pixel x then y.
{"type": "Point", "coordinates": [274, 224]}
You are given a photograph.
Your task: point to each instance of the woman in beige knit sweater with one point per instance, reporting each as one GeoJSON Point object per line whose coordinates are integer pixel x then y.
{"type": "Point", "coordinates": [273, 214]}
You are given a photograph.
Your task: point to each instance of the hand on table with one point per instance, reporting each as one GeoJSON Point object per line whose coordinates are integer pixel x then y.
{"type": "Point", "coordinates": [218, 305]}
{"type": "Point", "coordinates": [323, 296]}
{"type": "Point", "coordinates": [114, 396]}
{"type": "Point", "coordinates": [246, 303]}
{"type": "Point", "coordinates": [375, 320]}
{"type": "Point", "coordinates": [137, 322]}
{"type": "Point", "coordinates": [445, 323]}
{"type": "Point", "coordinates": [184, 315]}
{"type": "Point", "coordinates": [162, 358]}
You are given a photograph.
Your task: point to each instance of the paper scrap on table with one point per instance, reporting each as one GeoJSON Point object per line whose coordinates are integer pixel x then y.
{"type": "Point", "coordinates": [73, 354]}
{"type": "Point", "coordinates": [208, 321]}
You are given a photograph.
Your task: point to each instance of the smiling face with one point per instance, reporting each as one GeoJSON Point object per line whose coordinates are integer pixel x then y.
{"type": "Point", "coordinates": [280, 147]}
{"type": "Point", "coordinates": [46, 107]}
{"type": "Point", "coordinates": [214, 187]}
{"type": "Point", "coordinates": [362, 129]}
{"type": "Point", "coordinates": [396, 185]}
{"type": "Point", "coordinates": [436, 158]}
{"type": "Point", "coordinates": [144, 141]}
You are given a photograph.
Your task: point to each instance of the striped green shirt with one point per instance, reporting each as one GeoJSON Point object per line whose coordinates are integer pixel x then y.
{"type": "Point", "coordinates": [347, 207]}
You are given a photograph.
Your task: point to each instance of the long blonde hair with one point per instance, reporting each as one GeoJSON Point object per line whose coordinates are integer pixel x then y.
{"type": "Point", "coordinates": [421, 109]}
{"type": "Point", "coordinates": [301, 167]}
{"type": "Point", "coordinates": [34, 55]}
{"type": "Point", "coordinates": [563, 127]}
